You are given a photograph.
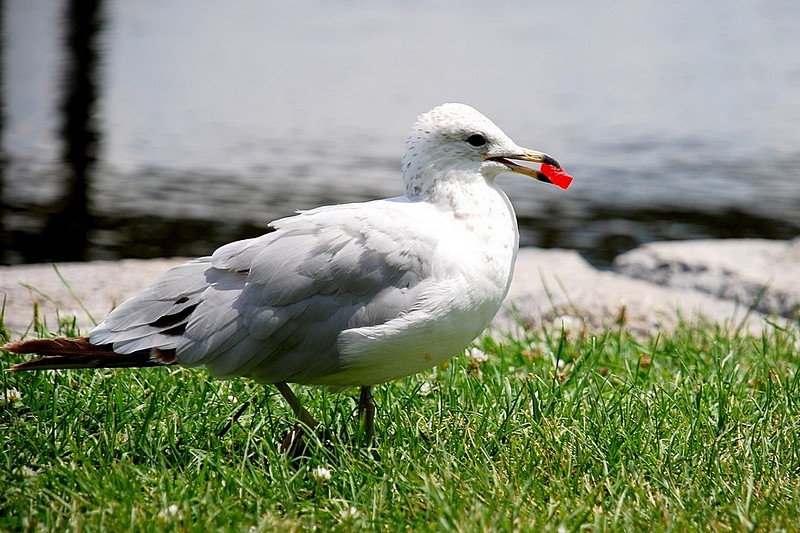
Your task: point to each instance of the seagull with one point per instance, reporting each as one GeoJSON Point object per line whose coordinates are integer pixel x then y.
{"type": "Point", "coordinates": [341, 296]}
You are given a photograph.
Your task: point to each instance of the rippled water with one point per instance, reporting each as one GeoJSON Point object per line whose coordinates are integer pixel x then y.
{"type": "Point", "coordinates": [679, 120]}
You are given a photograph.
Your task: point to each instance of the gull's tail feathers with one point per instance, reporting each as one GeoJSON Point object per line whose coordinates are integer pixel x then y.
{"type": "Point", "coordinates": [80, 353]}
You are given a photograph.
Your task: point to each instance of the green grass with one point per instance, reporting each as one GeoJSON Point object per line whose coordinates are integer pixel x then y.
{"type": "Point", "coordinates": [696, 429]}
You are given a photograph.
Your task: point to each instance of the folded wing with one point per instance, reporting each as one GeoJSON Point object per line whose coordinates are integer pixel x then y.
{"type": "Point", "coordinates": [272, 307]}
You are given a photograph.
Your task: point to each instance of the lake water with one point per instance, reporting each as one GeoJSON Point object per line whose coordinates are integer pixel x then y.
{"type": "Point", "coordinates": [679, 120]}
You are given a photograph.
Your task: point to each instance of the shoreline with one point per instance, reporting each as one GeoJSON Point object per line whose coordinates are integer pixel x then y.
{"type": "Point", "coordinates": [739, 282]}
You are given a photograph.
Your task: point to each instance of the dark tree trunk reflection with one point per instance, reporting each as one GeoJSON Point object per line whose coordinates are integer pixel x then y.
{"type": "Point", "coordinates": [69, 224]}
{"type": "Point", "coordinates": [3, 236]}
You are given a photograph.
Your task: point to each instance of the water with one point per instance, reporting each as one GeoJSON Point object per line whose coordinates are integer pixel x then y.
{"type": "Point", "coordinates": [678, 120]}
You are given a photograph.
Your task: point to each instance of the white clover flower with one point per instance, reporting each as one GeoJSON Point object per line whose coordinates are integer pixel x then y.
{"type": "Point", "coordinates": [321, 474]}
{"type": "Point", "coordinates": [425, 389]}
{"type": "Point", "coordinates": [348, 513]}
{"type": "Point", "coordinates": [173, 511]}
{"type": "Point", "coordinates": [25, 471]}
{"type": "Point", "coordinates": [476, 355]}
{"type": "Point", "coordinates": [10, 397]}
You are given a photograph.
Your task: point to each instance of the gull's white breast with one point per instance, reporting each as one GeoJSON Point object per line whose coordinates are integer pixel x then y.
{"type": "Point", "coordinates": [472, 268]}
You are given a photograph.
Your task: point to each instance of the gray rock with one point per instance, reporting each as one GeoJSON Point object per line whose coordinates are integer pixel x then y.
{"type": "Point", "coordinates": [552, 288]}
{"type": "Point", "coordinates": [558, 288]}
{"type": "Point", "coordinates": [757, 273]}
{"type": "Point", "coordinates": [85, 291]}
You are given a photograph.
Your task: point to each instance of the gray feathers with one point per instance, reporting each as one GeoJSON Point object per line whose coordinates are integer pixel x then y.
{"type": "Point", "coordinates": [273, 307]}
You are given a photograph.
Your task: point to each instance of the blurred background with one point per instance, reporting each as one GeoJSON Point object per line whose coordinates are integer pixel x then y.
{"type": "Point", "coordinates": [150, 128]}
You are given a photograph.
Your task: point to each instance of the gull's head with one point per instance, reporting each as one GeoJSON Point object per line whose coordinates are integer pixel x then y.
{"type": "Point", "coordinates": [456, 142]}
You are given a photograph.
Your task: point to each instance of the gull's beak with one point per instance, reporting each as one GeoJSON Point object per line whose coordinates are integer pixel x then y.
{"type": "Point", "coordinates": [530, 156]}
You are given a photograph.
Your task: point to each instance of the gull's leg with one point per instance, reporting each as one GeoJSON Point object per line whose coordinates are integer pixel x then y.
{"type": "Point", "coordinates": [299, 411]}
{"type": "Point", "coordinates": [366, 412]}
{"type": "Point", "coordinates": [293, 442]}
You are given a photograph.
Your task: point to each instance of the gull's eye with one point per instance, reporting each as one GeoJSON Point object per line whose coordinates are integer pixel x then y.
{"type": "Point", "coordinates": [476, 140]}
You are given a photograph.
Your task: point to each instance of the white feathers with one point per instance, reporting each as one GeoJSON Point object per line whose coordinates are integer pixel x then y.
{"type": "Point", "coordinates": [354, 294]}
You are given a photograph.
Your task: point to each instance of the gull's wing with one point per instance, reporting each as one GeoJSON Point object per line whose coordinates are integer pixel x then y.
{"type": "Point", "coordinates": [272, 307]}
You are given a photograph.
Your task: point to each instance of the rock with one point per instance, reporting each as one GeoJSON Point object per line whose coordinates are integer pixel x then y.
{"type": "Point", "coordinates": [754, 272]}
{"type": "Point", "coordinates": [556, 289]}
{"type": "Point", "coordinates": [86, 291]}
{"type": "Point", "coordinates": [554, 286]}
